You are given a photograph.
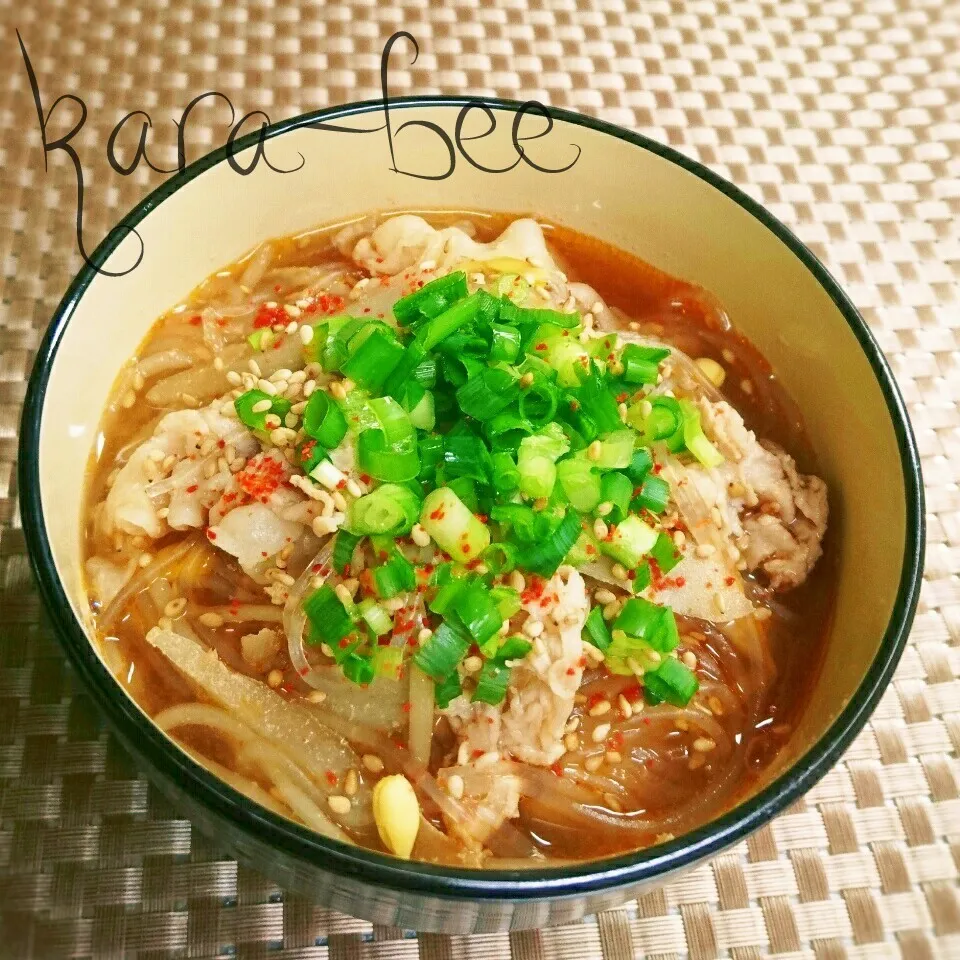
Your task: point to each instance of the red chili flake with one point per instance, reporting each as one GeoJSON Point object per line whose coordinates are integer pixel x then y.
{"type": "Point", "coordinates": [268, 316]}
{"type": "Point", "coordinates": [556, 769]}
{"type": "Point", "coordinates": [315, 568]}
{"type": "Point", "coordinates": [193, 488]}
{"type": "Point", "coordinates": [278, 344]}
{"type": "Point", "coordinates": [331, 778]}
{"type": "Point", "coordinates": [344, 643]}
{"type": "Point", "coordinates": [540, 346]}
{"type": "Point", "coordinates": [622, 397]}
{"type": "Point", "coordinates": [211, 535]}
{"type": "Point", "coordinates": [342, 485]}
{"type": "Point", "coordinates": [590, 548]}
{"type": "Point", "coordinates": [593, 700]}
{"type": "Point", "coordinates": [680, 581]}
{"type": "Point", "coordinates": [465, 548]}
{"type": "Point", "coordinates": [196, 320]}
{"type": "Point", "coordinates": [571, 672]}
{"type": "Point", "coordinates": [365, 477]}
{"type": "Point", "coordinates": [476, 754]}
{"type": "Point", "coordinates": [566, 333]}
{"type": "Point", "coordinates": [407, 707]}
{"type": "Point", "coordinates": [631, 574]}
{"type": "Point", "coordinates": [728, 581]}
{"type": "Point", "coordinates": [304, 671]}
{"type": "Point", "coordinates": [263, 553]}
{"type": "Point", "coordinates": [574, 405]}
{"type": "Point", "coordinates": [483, 518]}
{"type": "Point", "coordinates": [657, 467]}
{"type": "Point", "coordinates": [615, 740]}
{"type": "Point", "coordinates": [437, 514]}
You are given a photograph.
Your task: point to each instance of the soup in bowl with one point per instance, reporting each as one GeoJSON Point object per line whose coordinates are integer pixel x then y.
{"type": "Point", "coordinates": [469, 555]}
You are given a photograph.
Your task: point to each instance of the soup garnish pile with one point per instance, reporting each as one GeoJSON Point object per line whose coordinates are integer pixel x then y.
{"type": "Point", "coordinates": [447, 539]}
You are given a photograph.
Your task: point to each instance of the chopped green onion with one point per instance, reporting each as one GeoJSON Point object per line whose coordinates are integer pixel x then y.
{"type": "Point", "coordinates": [391, 509]}
{"type": "Point", "coordinates": [695, 439]}
{"type": "Point", "coordinates": [395, 576]}
{"type": "Point", "coordinates": [260, 339]}
{"type": "Point", "coordinates": [451, 524]}
{"type": "Point", "coordinates": [466, 489]}
{"type": "Point", "coordinates": [617, 490]}
{"type": "Point", "coordinates": [507, 600]}
{"type": "Point", "coordinates": [595, 629]}
{"type": "Point", "coordinates": [443, 599]}
{"type": "Point", "coordinates": [673, 682]}
{"type": "Point", "coordinates": [539, 401]}
{"type": "Point", "coordinates": [642, 364]}
{"type": "Point", "coordinates": [537, 316]}
{"type": "Point", "coordinates": [389, 453]}
{"type": "Point", "coordinates": [478, 612]}
{"type": "Point", "coordinates": [309, 454]}
{"type": "Point", "coordinates": [536, 460]}
{"type": "Point", "coordinates": [431, 453]}
{"type": "Point", "coordinates": [446, 690]}
{"type": "Point", "coordinates": [653, 496]}
{"type": "Point", "coordinates": [492, 683]}
{"type": "Point", "coordinates": [629, 541]}
{"type": "Point", "coordinates": [505, 343]}
{"type": "Point", "coordinates": [372, 362]}
{"type": "Point", "coordinates": [544, 557]}
{"type": "Point", "coordinates": [334, 337]}
{"type": "Point", "coordinates": [500, 558]}
{"type": "Point", "coordinates": [663, 422]}
{"type": "Point", "coordinates": [439, 656]}
{"type": "Point", "coordinates": [506, 476]}
{"type": "Point", "coordinates": [329, 620]}
{"type": "Point", "coordinates": [423, 413]}
{"type": "Point", "coordinates": [513, 648]}
{"type": "Point", "coordinates": [466, 455]}
{"type": "Point", "coordinates": [597, 401]}
{"type": "Point", "coordinates": [413, 359]}
{"type": "Point", "coordinates": [640, 618]}
{"type": "Point", "coordinates": [343, 548]}
{"type": "Point", "coordinates": [487, 393]}
{"type": "Point", "coordinates": [640, 465]}
{"type": "Point", "coordinates": [375, 617]}
{"type": "Point", "coordinates": [580, 482]}
{"type": "Point", "coordinates": [442, 325]}
{"type": "Point", "coordinates": [358, 669]}
{"type": "Point", "coordinates": [506, 430]}
{"type": "Point", "coordinates": [459, 367]}
{"type": "Point", "coordinates": [431, 299]}
{"type": "Point", "coordinates": [387, 662]}
{"type": "Point", "coordinates": [323, 420]}
{"type": "Point", "coordinates": [665, 553]}
{"type": "Point", "coordinates": [244, 404]}
{"type": "Point", "coordinates": [616, 450]}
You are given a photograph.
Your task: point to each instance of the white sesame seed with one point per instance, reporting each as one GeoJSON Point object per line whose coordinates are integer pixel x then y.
{"type": "Point", "coordinates": [600, 708]}
{"type": "Point", "coordinates": [593, 764]}
{"type": "Point", "coordinates": [339, 804]}
{"type": "Point", "coordinates": [455, 786]}
{"type": "Point", "coordinates": [211, 619]}
{"type": "Point", "coordinates": [175, 607]}
{"type": "Point", "coordinates": [306, 334]}
{"type": "Point", "coordinates": [703, 745]}
{"type": "Point", "coordinates": [372, 762]}
{"type": "Point", "coordinates": [600, 732]}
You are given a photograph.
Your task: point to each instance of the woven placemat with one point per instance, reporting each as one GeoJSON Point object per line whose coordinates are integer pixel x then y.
{"type": "Point", "coordinates": [842, 117]}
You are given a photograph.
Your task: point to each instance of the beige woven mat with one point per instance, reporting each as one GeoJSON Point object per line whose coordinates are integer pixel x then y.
{"type": "Point", "coordinates": [842, 117]}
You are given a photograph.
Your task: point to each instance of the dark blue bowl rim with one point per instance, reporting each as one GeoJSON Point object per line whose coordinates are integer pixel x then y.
{"type": "Point", "coordinates": [377, 870]}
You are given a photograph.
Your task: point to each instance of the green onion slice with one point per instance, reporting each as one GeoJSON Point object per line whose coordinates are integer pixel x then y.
{"type": "Point", "coordinates": [441, 654]}
{"type": "Point", "coordinates": [323, 420]}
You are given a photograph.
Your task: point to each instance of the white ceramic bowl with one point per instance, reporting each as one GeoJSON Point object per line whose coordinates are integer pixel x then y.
{"type": "Point", "coordinates": [622, 188]}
